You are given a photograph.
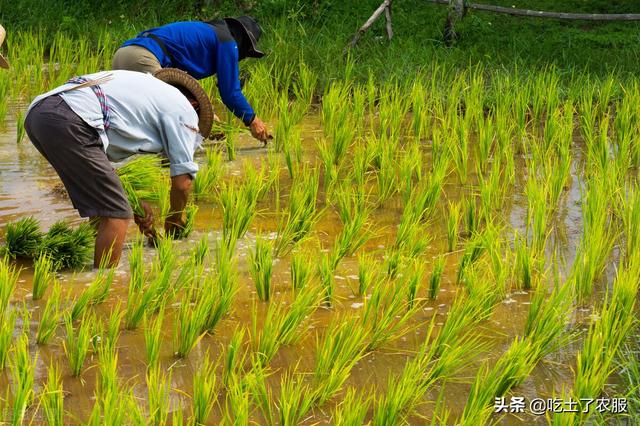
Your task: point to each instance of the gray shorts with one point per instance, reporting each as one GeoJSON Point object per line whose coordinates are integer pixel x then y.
{"type": "Point", "coordinates": [75, 151]}
{"type": "Point", "coordinates": [135, 58]}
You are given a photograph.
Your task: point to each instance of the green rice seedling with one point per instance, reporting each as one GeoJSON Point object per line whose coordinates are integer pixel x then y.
{"type": "Point", "coordinates": [353, 409]}
{"type": "Point", "coordinates": [368, 271]}
{"type": "Point", "coordinates": [20, 130]}
{"type": "Point", "coordinates": [411, 240]}
{"type": "Point", "coordinates": [51, 316]}
{"type": "Point", "coordinates": [189, 324]}
{"type": "Point", "coordinates": [336, 354]}
{"type": "Point", "coordinates": [354, 234]}
{"type": "Point", "coordinates": [301, 214]}
{"type": "Point", "coordinates": [235, 356]}
{"type": "Point", "coordinates": [260, 267]}
{"type": "Point", "coordinates": [152, 335]}
{"type": "Point", "coordinates": [68, 248]}
{"type": "Point", "coordinates": [230, 139]}
{"type": "Point", "coordinates": [631, 222]}
{"type": "Point", "coordinates": [301, 270]}
{"type": "Point", "coordinates": [525, 263]}
{"type": "Point", "coordinates": [224, 287]}
{"type": "Point", "coordinates": [331, 170]}
{"type": "Point", "coordinates": [191, 210]}
{"type": "Point", "coordinates": [22, 372]}
{"type": "Point", "coordinates": [545, 333]}
{"type": "Point", "coordinates": [238, 209]}
{"type": "Point", "coordinates": [76, 346]}
{"type": "Point", "coordinates": [387, 313]}
{"type": "Point", "coordinates": [474, 248]}
{"type": "Point", "coordinates": [296, 399]}
{"type": "Point", "coordinates": [22, 238]}
{"type": "Point", "coordinates": [95, 294]}
{"type": "Point", "coordinates": [282, 325]}
{"type": "Point", "coordinates": [158, 390]}
{"type": "Point", "coordinates": [413, 282]}
{"type": "Point", "coordinates": [537, 214]}
{"type": "Point", "coordinates": [110, 339]}
{"type": "Point", "coordinates": [201, 251]}
{"type": "Point", "coordinates": [262, 396]}
{"type": "Point", "coordinates": [471, 215]}
{"type": "Point", "coordinates": [303, 89]}
{"type": "Point", "coordinates": [43, 275]}
{"type": "Point", "coordinates": [285, 123]}
{"type": "Point", "coordinates": [453, 225]}
{"type": "Point", "coordinates": [141, 176]}
{"type": "Point", "coordinates": [327, 278]}
{"type": "Point", "coordinates": [436, 277]}
{"type": "Point", "coordinates": [52, 397]}
{"type": "Point", "coordinates": [8, 280]}
{"type": "Point", "coordinates": [162, 191]}
{"type": "Point", "coordinates": [7, 326]}
{"type": "Point", "coordinates": [386, 176]}
{"type": "Point", "coordinates": [293, 151]}
{"type": "Point", "coordinates": [208, 175]}
{"type": "Point", "coordinates": [238, 400]}
{"type": "Point", "coordinates": [134, 199]}
{"type": "Point", "coordinates": [204, 392]}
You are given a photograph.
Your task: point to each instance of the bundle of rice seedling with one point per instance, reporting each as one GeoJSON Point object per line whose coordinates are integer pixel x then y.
{"type": "Point", "coordinates": [22, 238]}
{"type": "Point", "coordinates": [66, 247]}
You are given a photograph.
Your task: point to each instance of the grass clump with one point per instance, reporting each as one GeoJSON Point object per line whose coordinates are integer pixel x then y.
{"type": "Point", "coordinates": [51, 316]}
{"type": "Point", "coordinates": [7, 326]}
{"type": "Point", "coordinates": [22, 372]}
{"type": "Point", "coordinates": [204, 392]}
{"type": "Point", "coordinates": [152, 335]}
{"type": "Point", "coordinates": [68, 248]}
{"type": "Point", "coordinates": [95, 294]}
{"type": "Point", "coordinates": [78, 341]}
{"type": "Point", "coordinates": [42, 276]}
{"type": "Point", "coordinates": [52, 397]}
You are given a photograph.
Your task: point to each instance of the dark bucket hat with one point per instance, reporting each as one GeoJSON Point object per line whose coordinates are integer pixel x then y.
{"type": "Point", "coordinates": [251, 30]}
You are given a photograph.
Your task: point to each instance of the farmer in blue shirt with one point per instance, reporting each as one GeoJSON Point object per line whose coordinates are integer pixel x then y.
{"type": "Point", "coordinates": [202, 49]}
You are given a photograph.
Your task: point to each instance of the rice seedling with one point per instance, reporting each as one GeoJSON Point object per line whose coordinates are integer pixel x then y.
{"type": "Point", "coordinates": [189, 324]}
{"type": "Point", "coordinates": [95, 294]}
{"type": "Point", "coordinates": [42, 276]}
{"type": "Point", "coordinates": [368, 271]}
{"type": "Point", "coordinates": [235, 356]}
{"type": "Point", "coordinates": [204, 392]}
{"type": "Point", "coordinates": [158, 389]}
{"type": "Point", "coordinates": [7, 326]}
{"type": "Point", "coordinates": [282, 325]}
{"type": "Point", "coordinates": [293, 151]}
{"type": "Point", "coordinates": [51, 316]}
{"type": "Point", "coordinates": [301, 270]}
{"type": "Point", "coordinates": [68, 248]}
{"type": "Point", "coordinates": [22, 238]}
{"type": "Point", "coordinates": [110, 339]}
{"type": "Point", "coordinates": [140, 176]}
{"type": "Point", "coordinates": [208, 175]}
{"type": "Point", "coordinates": [230, 139]}
{"type": "Point", "coordinates": [525, 263]}
{"type": "Point", "coordinates": [386, 175]}
{"type": "Point", "coordinates": [201, 251]}
{"type": "Point", "coordinates": [413, 282]}
{"type": "Point", "coordinates": [77, 343]}
{"type": "Point", "coordinates": [152, 335]}
{"type": "Point", "coordinates": [225, 287]}
{"type": "Point", "coordinates": [453, 225]}
{"type": "Point", "coordinates": [8, 280]}
{"type": "Point", "coordinates": [20, 130]}
{"type": "Point", "coordinates": [260, 267]}
{"type": "Point", "coordinates": [336, 354]}
{"type": "Point", "coordinates": [296, 399]}
{"type": "Point", "coordinates": [353, 409]}
{"type": "Point", "coordinates": [436, 277]}
{"type": "Point", "coordinates": [22, 372]}
{"type": "Point", "coordinates": [474, 248]}
{"type": "Point", "coordinates": [238, 203]}
{"type": "Point", "coordinates": [190, 221]}
{"type": "Point", "coordinates": [301, 214]}
{"type": "Point", "coordinates": [471, 218]}
{"type": "Point", "coordinates": [52, 397]}
{"type": "Point", "coordinates": [237, 404]}
{"type": "Point", "coordinates": [255, 383]}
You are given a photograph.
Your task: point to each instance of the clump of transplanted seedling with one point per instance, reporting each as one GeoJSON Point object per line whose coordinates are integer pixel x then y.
{"type": "Point", "coordinates": [152, 336]}
{"type": "Point", "coordinates": [353, 409]}
{"type": "Point", "coordinates": [301, 270]}
{"type": "Point", "coordinates": [51, 316]}
{"type": "Point", "coordinates": [43, 275]}
{"type": "Point", "coordinates": [78, 341]}
{"type": "Point", "coordinates": [261, 266]}
{"type": "Point", "coordinates": [368, 271]}
{"type": "Point", "coordinates": [204, 392]}
{"type": "Point", "coordinates": [301, 215]}
{"type": "Point", "coordinates": [453, 225]}
{"type": "Point", "coordinates": [7, 326]}
{"type": "Point", "coordinates": [68, 248]}
{"type": "Point", "coordinates": [436, 277]}
{"type": "Point", "coordinates": [221, 290]}
{"type": "Point", "coordinates": [158, 395]}
{"type": "Point", "coordinates": [96, 293]}
{"type": "Point", "coordinates": [189, 324]}
{"type": "Point", "coordinates": [22, 373]}
{"type": "Point", "coordinates": [22, 238]}
{"type": "Point", "coordinates": [52, 397]}
{"type": "Point", "coordinates": [8, 279]}
{"type": "Point", "coordinates": [282, 324]}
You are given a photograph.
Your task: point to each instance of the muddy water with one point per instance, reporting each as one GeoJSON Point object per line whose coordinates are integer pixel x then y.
{"type": "Point", "coordinates": [29, 186]}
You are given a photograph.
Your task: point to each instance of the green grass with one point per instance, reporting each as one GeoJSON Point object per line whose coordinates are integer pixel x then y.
{"type": "Point", "coordinates": [68, 248]}
{"type": "Point", "coordinates": [22, 238]}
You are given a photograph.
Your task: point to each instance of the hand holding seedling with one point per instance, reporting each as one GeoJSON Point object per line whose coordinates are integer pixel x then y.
{"type": "Point", "coordinates": [259, 130]}
{"type": "Point", "coordinates": [145, 223]}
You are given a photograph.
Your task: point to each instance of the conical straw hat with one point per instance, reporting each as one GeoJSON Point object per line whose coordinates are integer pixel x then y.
{"type": "Point", "coordinates": [3, 61]}
{"type": "Point", "coordinates": [176, 77]}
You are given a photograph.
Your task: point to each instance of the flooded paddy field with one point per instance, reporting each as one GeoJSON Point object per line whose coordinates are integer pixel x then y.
{"type": "Point", "coordinates": [390, 258]}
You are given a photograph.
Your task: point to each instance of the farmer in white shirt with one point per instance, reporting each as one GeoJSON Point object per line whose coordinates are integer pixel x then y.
{"type": "Point", "coordinates": [83, 125]}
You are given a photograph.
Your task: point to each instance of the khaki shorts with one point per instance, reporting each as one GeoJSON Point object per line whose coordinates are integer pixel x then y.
{"type": "Point", "coordinates": [135, 58]}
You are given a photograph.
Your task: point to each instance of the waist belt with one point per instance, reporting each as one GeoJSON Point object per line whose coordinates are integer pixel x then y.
{"type": "Point", "coordinates": [161, 44]}
{"type": "Point", "coordinates": [97, 90]}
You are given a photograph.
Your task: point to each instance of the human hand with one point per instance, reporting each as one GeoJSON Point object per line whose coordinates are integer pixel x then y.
{"type": "Point", "coordinates": [259, 130]}
{"type": "Point", "coordinates": [145, 222]}
{"type": "Point", "coordinates": [174, 227]}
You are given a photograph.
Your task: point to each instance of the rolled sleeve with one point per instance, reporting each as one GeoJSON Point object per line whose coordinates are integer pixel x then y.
{"type": "Point", "coordinates": [179, 139]}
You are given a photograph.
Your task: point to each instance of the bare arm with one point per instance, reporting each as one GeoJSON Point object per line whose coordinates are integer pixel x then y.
{"type": "Point", "coordinates": [180, 190]}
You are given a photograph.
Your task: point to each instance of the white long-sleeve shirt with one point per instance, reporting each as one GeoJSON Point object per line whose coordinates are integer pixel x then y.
{"type": "Point", "coordinates": [146, 116]}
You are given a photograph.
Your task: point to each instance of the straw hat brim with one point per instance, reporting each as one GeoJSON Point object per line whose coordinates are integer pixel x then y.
{"type": "Point", "coordinates": [176, 77]}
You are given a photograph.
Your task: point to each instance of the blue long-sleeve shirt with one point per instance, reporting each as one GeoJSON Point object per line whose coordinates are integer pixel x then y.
{"type": "Point", "coordinates": [201, 50]}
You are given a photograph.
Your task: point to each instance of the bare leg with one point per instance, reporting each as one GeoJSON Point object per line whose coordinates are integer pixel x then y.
{"type": "Point", "coordinates": [109, 241]}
